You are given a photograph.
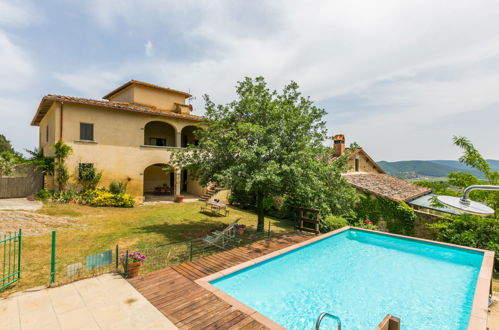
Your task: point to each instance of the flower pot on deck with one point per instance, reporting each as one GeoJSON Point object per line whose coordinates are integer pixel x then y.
{"type": "Point", "coordinates": [240, 231]}
{"type": "Point", "coordinates": [179, 198]}
{"type": "Point", "coordinates": [134, 268]}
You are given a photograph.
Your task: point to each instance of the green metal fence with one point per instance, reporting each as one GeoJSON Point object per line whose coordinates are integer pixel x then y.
{"type": "Point", "coordinates": [171, 254]}
{"type": "Point", "coordinates": [10, 260]}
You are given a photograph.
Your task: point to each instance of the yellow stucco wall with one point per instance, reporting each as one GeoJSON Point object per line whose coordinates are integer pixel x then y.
{"type": "Point", "coordinates": [52, 122]}
{"type": "Point", "coordinates": [124, 95]}
{"type": "Point", "coordinates": [118, 149]}
{"type": "Point", "coordinates": [364, 164]}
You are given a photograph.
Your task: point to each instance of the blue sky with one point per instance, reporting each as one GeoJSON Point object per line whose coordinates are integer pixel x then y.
{"type": "Point", "coordinates": [400, 77]}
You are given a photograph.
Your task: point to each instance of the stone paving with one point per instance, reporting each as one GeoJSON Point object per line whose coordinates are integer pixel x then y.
{"type": "Point", "coordinates": [104, 302]}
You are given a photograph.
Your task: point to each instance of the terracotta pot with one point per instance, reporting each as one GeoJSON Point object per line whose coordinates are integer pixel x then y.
{"type": "Point", "coordinates": [240, 231]}
{"type": "Point", "coordinates": [179, 198]}
{"type": "Point", "coordinates": [133, 269]}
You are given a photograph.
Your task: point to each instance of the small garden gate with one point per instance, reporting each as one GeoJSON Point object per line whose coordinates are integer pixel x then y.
{"type": "Point", "coordinates": [10, 258]}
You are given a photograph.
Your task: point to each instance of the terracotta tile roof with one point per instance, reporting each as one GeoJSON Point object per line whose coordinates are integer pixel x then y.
{"type": "Point", "coordinates": [48, 100]}
{"type": "Point", "coordinates": [136, 82]}
{"type": "Point", "coordinates": [386, 185]}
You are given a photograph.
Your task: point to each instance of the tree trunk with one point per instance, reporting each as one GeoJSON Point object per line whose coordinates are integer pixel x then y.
{"type": "Point", "coordinates": [260, 211]}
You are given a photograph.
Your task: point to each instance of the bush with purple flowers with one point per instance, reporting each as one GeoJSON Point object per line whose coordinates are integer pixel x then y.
{"type": "Point", "coordinates": [132, 257]}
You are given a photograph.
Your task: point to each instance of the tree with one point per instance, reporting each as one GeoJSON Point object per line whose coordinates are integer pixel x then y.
{"type": "Point", "coordinates": [8, 163]}
{"type": "Point", "coordinates": [44, 163]}
{"type": "Point", "coordinates": [5, 145]}
{"type": "Point", "coordinates": [267, 144]}
{"type": "Point", "coordinates": [62, 151]}
{"type": "Point", "coordinates": [472, 157]}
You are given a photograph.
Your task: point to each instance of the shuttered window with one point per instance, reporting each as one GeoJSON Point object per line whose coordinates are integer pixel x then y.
{"type": "Point", "coordinates": [86, 131]}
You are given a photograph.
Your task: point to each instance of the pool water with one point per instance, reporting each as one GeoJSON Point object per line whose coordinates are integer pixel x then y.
{"type": "Point", "coordinates": [360, 277]}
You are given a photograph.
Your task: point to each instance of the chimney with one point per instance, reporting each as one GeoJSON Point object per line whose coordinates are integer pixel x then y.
{"type": "Point", "coordinates": [339, 144]}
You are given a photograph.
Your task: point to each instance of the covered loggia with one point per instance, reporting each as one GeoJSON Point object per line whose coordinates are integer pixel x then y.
{"type": "Point", "coordinates": [159, 182]}
{"type": "Point", "coordinates": [160, 134]}
{"type": "Point", "coordinates": [188, 136]}
{"type": "Point", "coordinates": [162, 183]}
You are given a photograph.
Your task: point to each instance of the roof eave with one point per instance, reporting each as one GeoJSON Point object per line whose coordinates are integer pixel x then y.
{"type": "Point", "coordinates": [131, 82]}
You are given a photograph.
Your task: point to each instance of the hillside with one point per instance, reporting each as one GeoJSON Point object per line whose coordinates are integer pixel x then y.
{"type": "Point", "coordinates": [420, 169]}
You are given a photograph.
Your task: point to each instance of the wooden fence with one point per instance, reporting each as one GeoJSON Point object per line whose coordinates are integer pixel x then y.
{"type": "Point", "coordinates": [26, 181]}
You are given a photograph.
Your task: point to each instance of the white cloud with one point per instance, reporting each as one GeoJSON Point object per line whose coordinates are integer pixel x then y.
{"type": "Point", "coordinates": [16, 116]}
{"type": "Point", "coordinates": [413, 63]}
{"type": "Point", "coordinates": [92, 82]}
{"type": "Point", "coordinates": [149, 49]}
{"type": "Point", "coordinates": [16, 13]}
{"type": "Point", "coordinates": [15, 67]}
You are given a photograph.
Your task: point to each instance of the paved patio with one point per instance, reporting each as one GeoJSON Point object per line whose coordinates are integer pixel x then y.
{"type": "Point", "coordinates": [104, 302]}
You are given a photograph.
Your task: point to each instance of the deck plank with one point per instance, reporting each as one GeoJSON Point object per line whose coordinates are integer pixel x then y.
{"type": "Point", "coordinates": [173, 291]}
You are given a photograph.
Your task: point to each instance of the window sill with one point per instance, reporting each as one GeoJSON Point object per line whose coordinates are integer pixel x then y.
{"type": "Point", "coordinates": [86, 141]}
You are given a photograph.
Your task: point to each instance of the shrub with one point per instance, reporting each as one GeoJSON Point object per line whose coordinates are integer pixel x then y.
{"type": "Point", "coordinates": [470, 230]}
{"type": "Point", "coordinates": [117, 187]}
{"type": "Point", "coordinates": [88, 177]}
{"type": "Point", "coordinates": [44, 194]}
{"type": "Point", "coordinates": [105, 198]}
{"type": "Point", "coordinates": [331, 223]}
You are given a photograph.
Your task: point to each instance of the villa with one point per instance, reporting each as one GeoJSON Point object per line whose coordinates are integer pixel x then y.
{"type": "Point", "coordinates": [129, 136]}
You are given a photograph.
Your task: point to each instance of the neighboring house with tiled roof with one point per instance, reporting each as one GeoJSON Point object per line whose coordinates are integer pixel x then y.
{"type": "Point", "coordinates": [366, 175]}
{"type": "Point", "coordinates": [129, 136]}
{"type": "Point", "coordinates": [386, 185]}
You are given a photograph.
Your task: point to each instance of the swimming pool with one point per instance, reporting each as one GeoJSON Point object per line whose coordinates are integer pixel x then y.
{"type": "Point", "coordinates": [361, 276]}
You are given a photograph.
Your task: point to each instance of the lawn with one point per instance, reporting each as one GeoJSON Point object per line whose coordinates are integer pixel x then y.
{"type": "Point", "coordinates": [98, 229]}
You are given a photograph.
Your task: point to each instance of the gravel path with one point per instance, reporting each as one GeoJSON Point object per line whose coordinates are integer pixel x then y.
{"type": "Point", "coordinates": [31, 223]}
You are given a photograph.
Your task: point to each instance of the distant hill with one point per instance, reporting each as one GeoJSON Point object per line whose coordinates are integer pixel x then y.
{"type": "Point", "coordinates": [421, 169]}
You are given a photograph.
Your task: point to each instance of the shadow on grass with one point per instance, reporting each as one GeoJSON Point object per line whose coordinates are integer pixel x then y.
{"type": "Point", "coordinates": [185, 230]}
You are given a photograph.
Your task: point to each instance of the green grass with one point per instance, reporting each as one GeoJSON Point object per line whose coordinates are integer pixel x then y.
{"type": "Point", "coordinates": [100, 229]}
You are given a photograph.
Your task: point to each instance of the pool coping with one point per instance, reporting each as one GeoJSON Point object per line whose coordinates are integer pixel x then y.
{"type": "Point", "coordinates": [479, 310]}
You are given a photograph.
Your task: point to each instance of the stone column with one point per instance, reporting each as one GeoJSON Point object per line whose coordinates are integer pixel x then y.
{"type": "Point", "coordinates": [178, 139]}
{"type": "Point", "coordinates": [177, 181]}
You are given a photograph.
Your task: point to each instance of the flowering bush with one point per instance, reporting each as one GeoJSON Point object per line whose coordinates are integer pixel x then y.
{"type": "Point", "coordinates": [240, 226]}
{"type": "Point", "coordinates": [106, 198]}
{"type": "Point", "coordinates": [132, 257]}
{"type": "Point", "coordinates": [366, 224]}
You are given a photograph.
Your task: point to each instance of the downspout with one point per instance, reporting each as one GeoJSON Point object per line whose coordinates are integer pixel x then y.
{"type": "Point", "coordinates": [61, 121]}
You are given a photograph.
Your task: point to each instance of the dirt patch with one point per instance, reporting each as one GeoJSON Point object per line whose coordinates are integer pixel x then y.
{"type": "Point", "coordinates": [31, 223]}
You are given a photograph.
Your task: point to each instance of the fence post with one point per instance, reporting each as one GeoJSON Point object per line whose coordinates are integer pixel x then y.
{"type": "Point", "coordinates": [190, 250]}
{"type": "Point", "coordinates": [126, 264]}
{"type": "Point", "coordinates": [19, 255]}
{"type": "Point", "coordinates": [52, 259]}
{"type": "Point", "coordinates": [117, 258]}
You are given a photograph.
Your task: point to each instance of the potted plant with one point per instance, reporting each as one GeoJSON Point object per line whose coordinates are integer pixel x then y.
{"type": "Point", "coordinates": [132, 263]}
{"type": "Point", "coordinates": [179, 198]}
{"type": "Point", "coordinates": [240, 229]}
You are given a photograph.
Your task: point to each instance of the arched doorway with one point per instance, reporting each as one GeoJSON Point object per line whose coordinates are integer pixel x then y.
{"type": "Point", "coordinates": [160, 134]}
{"type": "Point", "coordinates": [188, 136]}
{"type": "Point", "coordinates": [159, 182]}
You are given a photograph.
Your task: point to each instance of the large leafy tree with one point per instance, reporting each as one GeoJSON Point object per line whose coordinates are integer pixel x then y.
{"type": "Point", "coordinates": [267, 143]}
{"type": "Point", "coordinates": [472, 157]}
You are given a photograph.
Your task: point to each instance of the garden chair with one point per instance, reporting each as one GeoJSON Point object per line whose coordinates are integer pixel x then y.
{"type": "Point", "coordinates": [221, 238]}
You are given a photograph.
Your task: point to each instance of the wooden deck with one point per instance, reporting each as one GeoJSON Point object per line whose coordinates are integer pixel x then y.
{"type": "Point", "coordinates": [172, 290]}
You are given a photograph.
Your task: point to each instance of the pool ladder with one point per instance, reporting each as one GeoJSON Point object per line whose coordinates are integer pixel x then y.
{"type": "Point", "coordinates": [323, 315]}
